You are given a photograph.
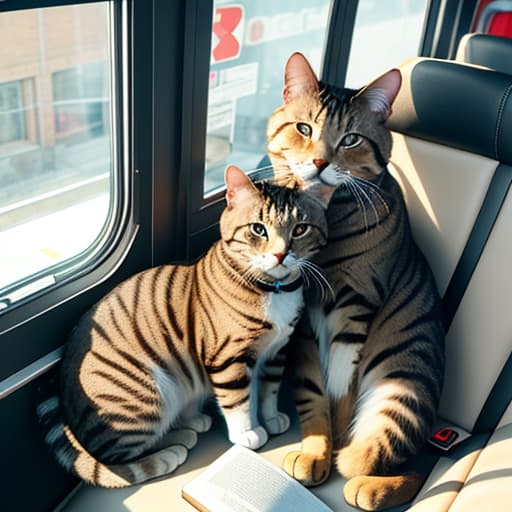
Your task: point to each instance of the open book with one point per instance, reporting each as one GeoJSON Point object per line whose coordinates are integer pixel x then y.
{"type": "Point", "coordinates": [240, 480]}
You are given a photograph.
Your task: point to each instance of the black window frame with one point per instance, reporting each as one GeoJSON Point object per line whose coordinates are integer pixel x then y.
{"type": "Point", "coordinates": [150, 57]}
{"type": "Point", "coordinates": [43, 311]}
{"type": "Point", "coordinates": [32, 334]}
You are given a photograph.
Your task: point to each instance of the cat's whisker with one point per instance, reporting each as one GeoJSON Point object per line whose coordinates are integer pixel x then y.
{"type": "Point", "coordinates": [304, 276]}
{"type": "Point", "coordinates": [283, 171]}
{"type": "Point", "coordinates": [251, 275]}
{"type": "Point", "coordinates": [318, 276]}
{"type": "Point", "coordinates": [313, 281]}
{"type": "Point", "coordinates": [354, 185]}
{"type": "Point", "coordinates": [357, 196]}
{"type": "Point", "coordinates": [375, 189]}
{"type": "Point", "coordinates": [370, 202]}
{"type": "Point", "coordinates": [259, 169]}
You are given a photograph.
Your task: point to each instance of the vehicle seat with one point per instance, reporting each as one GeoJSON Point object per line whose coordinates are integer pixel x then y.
{"type": "Point", "coordinates": [452, 124]}
{"type": "Point", "coordinates": [494, 52]}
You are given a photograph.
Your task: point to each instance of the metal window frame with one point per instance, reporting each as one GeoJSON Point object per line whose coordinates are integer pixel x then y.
{"type": "Point", "coordinates": [25, 290]}
{"type": "Point", "coordinates": [44, 312]}
{"type": "Point", "coordinates": [32, 334]}
{"type": "Point", "coordinates": [150, 154]}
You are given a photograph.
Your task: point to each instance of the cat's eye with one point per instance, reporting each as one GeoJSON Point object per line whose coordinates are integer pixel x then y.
{"type": "Point", "coordinates": [258, 229]}
{"type": "Point", "coordinates": [304, 129]}
{"type": "Point", "coordinates": [351, 140]}
{"type": "Point", "coordinates": [300, 230]}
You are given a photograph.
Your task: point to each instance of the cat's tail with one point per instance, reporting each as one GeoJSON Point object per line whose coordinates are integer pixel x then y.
{"type": "Point", "coordinates": [75, 459]}
{"type": "Point", "coordinates": [380, 492]}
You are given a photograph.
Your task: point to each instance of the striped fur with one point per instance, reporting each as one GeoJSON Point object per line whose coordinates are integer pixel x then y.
{"type": "Point", "coordinates": [379, 352]}
{"type": "Point", "coordinates": [144, 359]}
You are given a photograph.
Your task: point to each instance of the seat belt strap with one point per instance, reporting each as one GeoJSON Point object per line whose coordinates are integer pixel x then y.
{"type": "Point", "coordinates": [491, 206]}
{"type": "Point", "coordinates": [497, 401]}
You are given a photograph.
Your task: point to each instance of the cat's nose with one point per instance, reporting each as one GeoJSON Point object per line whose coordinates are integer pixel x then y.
{"type": "Point", "coordinates": [279, 256]}
{"type": "Point", "coordinates": [320, 164]}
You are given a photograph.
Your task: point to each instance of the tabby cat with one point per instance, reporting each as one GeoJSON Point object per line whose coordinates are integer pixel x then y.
{"type": "Point", "coordinates": [371, 367]}
{"type": "Point", "coordinates": [145, 357]}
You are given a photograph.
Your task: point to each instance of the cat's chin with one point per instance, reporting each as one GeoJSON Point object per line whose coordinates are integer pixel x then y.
{"type": "Point", "coordinates": [281, 273]}
{"type": "Point", "coordinates": [332, 176]}
{"type": "Point", "coordinates": [308, 174]}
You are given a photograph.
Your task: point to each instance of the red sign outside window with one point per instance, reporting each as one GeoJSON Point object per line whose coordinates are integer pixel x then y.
{"type": "Point", "coordinates": [227, 32]}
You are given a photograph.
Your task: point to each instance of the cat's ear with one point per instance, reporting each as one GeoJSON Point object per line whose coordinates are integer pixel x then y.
{"type": "Point", "coordinates": [237, 184]}
{"type": "Point", "coordinates": [381, 93]}
{"type": "Point", "coordinates": [299, 78]}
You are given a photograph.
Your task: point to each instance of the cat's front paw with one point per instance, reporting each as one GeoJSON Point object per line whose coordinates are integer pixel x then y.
{"type": "Point", "coordinates": [199, 423]}
{"type": "Point", "coordinates": [253, 439]}
{"type": "Point", "coordinates": [278, 424]}
{"type": "Point", "coordinates": [307, 468]}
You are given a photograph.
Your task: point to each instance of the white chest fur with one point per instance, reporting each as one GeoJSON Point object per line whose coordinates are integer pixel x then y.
{"type": "Point", "coordinates": [282, 310]}
{"type": "Point", "coordinates": [338, 359]}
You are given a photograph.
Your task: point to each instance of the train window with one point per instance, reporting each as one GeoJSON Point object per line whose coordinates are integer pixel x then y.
{"type": "Point", "coordinates": [251, 41]}
{"type": "Point", "coordinates": [56, 142]}
{"type": "Point", "coordinates": [385, 34]}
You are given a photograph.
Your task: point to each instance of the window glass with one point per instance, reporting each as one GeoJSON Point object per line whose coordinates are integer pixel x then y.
{"type": "Point", "coordinates": [251, 42]}
{"type": "Point", "coordinates": [55, 139]}
{"type": "Point", "coordinates": [385, 34]}
{"type": "Point", "coordinates": [12, 127]}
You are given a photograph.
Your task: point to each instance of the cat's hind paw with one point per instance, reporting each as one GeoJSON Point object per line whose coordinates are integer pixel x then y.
{"type": "Point", "coordinates": [253, 439]}
{"type": "Point", "coordinates": [278, 424]}
{"type": "Point", "coordinates": [308, 469]}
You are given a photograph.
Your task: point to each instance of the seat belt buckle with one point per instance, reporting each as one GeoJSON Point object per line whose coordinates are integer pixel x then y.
{"type": "Point", "coordinates": [444, 438]}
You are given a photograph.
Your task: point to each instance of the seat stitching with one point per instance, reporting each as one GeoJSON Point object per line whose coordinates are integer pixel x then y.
{"type": "Point", "coordinates": [500, 115]}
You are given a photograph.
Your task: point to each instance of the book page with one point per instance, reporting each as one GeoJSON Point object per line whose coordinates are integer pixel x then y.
{"type": "Point", "coordinates": [243, 481]}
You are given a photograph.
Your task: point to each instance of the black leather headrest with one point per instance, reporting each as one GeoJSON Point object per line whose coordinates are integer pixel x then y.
{"type": "Point", "coordinates": [494, 52]}
{"type": "Point", "coordinates": [456, 105]}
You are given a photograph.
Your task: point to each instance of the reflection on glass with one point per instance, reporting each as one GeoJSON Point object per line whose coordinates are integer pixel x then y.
{"type": "Point", "coordinates": [385, 34]}
{"type": "Point", "coordinates": [251, 42]}
{"type": "Point", "coordinates": [55, 135]}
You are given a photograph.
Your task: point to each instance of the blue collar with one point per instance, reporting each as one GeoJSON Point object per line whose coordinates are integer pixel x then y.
{"type": "Point", "coordinates": [278, 286]}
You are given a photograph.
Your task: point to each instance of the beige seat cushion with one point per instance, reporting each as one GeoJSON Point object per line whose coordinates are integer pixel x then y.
{"type": "Point", "coordinates": [164, 495]}
{"type": "Point", "coordinates": [488, 487]}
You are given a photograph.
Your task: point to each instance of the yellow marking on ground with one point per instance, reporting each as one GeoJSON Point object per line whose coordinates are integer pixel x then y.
{"type": "Point", "coordinates": [51, 253]}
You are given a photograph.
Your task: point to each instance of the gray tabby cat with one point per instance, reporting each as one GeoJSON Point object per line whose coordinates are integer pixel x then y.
{"type": "Point", "coordinates": [142, 361]}
{"type": "Point", "coordinates": [370, 372]}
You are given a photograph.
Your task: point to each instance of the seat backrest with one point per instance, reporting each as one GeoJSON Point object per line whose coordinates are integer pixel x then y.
{"type": "Point", "coordinates": [452, 127]}
{"type": "Point", "coordinates": [494, 17]}
{"type": "Point", "coordinates": [494, 52]}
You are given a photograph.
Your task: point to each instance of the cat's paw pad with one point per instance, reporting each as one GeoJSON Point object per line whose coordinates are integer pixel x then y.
{"type": "Point", "coordinates": [369, 493]}
{"type": "Point", "coordinates": [253, 439]}
{"type": "Point", "coordinates": [278, 424]}
{"type": "Point", "coordinates": [200, 423]}
{"type": "Point", "coordinates": [308, 469]}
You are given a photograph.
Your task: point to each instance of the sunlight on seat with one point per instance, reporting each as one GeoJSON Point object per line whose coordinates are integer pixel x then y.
{"type": "Point", "coordinates": [444, 189]}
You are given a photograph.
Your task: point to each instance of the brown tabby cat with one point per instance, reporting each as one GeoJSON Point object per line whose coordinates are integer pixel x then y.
{"type": "Point", "coordinates": [371, 367]}
{"type": "Point", "coordinates": [144, 359]}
